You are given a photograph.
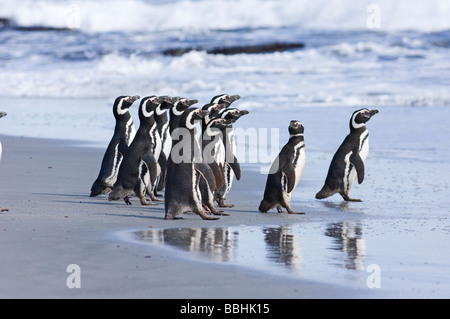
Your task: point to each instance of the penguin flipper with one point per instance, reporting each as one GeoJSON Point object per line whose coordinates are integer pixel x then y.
{"type": "Point", "coordinates": [205, 170]}
{"type": "Point", "coordinates": [236, 167]}
{"type": "Point", "coordinates": [289, 171]}
{"type": "Point", "coordinates": [152, 165]}
{"type": "Point", "coordinates": [358, 163]}
{"type": "Point", "coordinates": [162, 177]}
{"type": "Point", "coordinates": [218, 174]}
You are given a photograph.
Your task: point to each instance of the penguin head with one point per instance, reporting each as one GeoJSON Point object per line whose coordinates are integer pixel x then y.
{"type": "Point", "coordinates": [190, 116]}
{"type": "Point", "coordinates": [165, 103]}
{"type": "Point", "coordinates": [180, 105]}
{"type": "Point", "coordinates": [148, 106]}
{"type": "Point", "coordinates": [296, 128]}
{"type": "Point", "coordinates": [233, 113]}
{"type": "Point", "coordinates": [123, 103]}
{"type": "Point", "coordinates": [215, 126]}
{"type": "Point", "coordinates": [213, 110]}
{"type": "Point", "coordinates": [360, 117]}
{"type": "Point", "coordinates": [225, 98]}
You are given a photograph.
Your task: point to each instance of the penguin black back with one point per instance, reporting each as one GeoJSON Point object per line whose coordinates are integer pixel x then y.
{"type": "Point", "coordinates": [124, 133]}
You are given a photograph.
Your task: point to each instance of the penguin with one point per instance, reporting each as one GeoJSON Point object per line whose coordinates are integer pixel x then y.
{"type": "Point", "coordinates": [210, 161]}
{"type": "Point", "coordinates": [212, 146]}
{"type": "Point", "coordinates": [285, 172]}
{"type": "Point", "coordinates": [183, 177]}
{"type": "Point", "coordinates": [162, 123]}
{"type": "Point", "coordinates": [139, 168]}
{"type": "Point", "coordinates": [348, 162]}
{"type": "Point", "coordinates": [124, 133]}
{"type": "Point", "coordinates": [231, 164]}
{"type": "Point", "coordinates": [2, 114]}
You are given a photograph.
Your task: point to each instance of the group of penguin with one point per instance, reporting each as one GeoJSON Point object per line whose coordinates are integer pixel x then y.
{"type": "Point", "coordinates": [146, 161]}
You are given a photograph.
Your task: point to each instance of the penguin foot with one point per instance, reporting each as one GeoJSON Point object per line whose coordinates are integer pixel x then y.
{"type": "Point", "coordinates": [153, 198]}
{"type": "Point", "coordinates": [126, 199]}
{"type": "Point", "coordinates": [219, 212]}
{"type": "Point", "coordinates": [205, 216]}
{"type": "Point", "coordinates": [348, 199]}
{"type": "Point", "coordinates": [290, 211]}
{"type": "Point", "coordinates": [221, 203]}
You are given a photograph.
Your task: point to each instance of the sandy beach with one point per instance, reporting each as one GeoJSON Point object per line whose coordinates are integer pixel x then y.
{"type": "Point", "coordinates": [399, 232]}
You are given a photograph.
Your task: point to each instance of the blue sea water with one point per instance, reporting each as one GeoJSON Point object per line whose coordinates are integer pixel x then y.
{"type": "Point", "coordinates": [59, 55]}
{"type": "Point", "coordinates": [101, 49]}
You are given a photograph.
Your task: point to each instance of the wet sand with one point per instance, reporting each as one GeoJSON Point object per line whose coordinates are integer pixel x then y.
{"type": "Point", "coordinates": [401, 227]}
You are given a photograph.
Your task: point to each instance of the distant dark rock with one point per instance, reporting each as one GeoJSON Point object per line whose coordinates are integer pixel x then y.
{"type": "Point", "coordinates": [247, 49]}
{"type": "Point", "coordinates": [6, 23]}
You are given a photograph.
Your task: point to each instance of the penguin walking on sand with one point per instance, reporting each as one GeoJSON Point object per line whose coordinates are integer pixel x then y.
{"type": "Point", "coordinates": [213, 149]}
{"type": "Point", "coordinates": [2, 114]}
{"type": "Point", "coordinates": [285, 172]}
{"type": "Point", "coordinates": [185, 170]}
{"type": "Point", "coordinates": [231, 164]}
{"type": "Point", "coordinates": [162, 124]}
{"type": "Point", "coordinates": [124, 133]}
{"type": "Point", "coordinates": [348, 162]}
{"type": "Point", "coordinates": [139, 169]}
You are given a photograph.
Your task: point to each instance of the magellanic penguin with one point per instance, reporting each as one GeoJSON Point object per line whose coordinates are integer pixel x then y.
{"type": "Point", "coordinates": [124, 133]}
{"type": "Point", "coordinates": [231, 164]}
{"type": "Point", "coordinates": [162, 123]}
{"type": "Point", "coordinates": [183, 193]}
{"type": "Point", "coordinates": [213, 149]}
{"type": "Point", "coordinates": [285, 172]}
{"type": "Point", "coordinates": [2, 114]}
{"type": "Point", "coordinates": [212, 142]}
{"type": "Point", "coordinates": [139, 168]}
{"type": "Point", "coordinates": [348, 162]}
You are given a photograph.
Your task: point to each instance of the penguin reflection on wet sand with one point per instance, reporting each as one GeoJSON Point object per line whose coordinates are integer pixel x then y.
{"type": "Point", "coordinates": [2, 114]}
{"type": "Point", "coordinates": [124, 132]}
{"type": "Point", "coordinates": [349, 161]}
{"type": "Point", "coordinates": [285, 172]}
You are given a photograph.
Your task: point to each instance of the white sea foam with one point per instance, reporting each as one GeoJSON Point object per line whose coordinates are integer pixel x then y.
{"type": "Point", "coordinates": [149, 16]}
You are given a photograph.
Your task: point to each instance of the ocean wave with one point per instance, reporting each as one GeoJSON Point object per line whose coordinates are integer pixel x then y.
{"type": "Point", "coordinates": [156, 16]}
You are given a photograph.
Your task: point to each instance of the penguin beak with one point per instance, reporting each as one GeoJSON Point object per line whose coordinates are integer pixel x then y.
{"type": "Point", "coordinates": [243, 112]}
{"type": "Point", "coordinates": [134, 98]}
{"type": "Point", "coordinates": [233, 98]}
{"type": "Point", "coordinates": [373, 112]}
{"type": "Point", "coordinates": [2, 114]}
{"type": "Point", "coordinates": [191, 102]}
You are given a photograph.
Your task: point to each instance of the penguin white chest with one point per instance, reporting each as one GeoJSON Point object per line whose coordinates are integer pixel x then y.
{"type": "Point", "coordinates": [299, 162]}
{"type": "Point", "coordinates": [364, 146]}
